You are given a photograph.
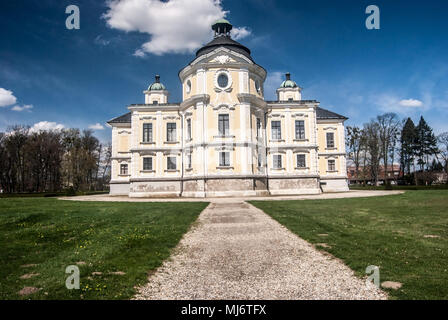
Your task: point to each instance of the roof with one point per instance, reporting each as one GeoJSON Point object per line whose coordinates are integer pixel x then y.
{"type": "Point", "coordinates": [322, 113]}
{"type": "Point", "coordinates": [126, 118]}
{"type": "Point", "coordinates": [226, 42]}
{"type": "Point", "coordinates": [222, 21]}
{"type": "Point", "coordinates": [156, 86]}
{"type": "Point", "coordinates": [288, 84]}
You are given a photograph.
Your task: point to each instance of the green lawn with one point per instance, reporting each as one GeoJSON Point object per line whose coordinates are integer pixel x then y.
{"type": "Point", "coordinates": [388, 232]}
{"type": "Point", "coordinates": [51, 234]}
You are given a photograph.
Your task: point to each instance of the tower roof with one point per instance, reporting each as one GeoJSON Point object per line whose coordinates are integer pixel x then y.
{"type": "Point", "coordinates": [222, 29]}
{"type": "Point", "coordinates": [288, 83]}
{"type": "Point", "coordinates": [156, 85]}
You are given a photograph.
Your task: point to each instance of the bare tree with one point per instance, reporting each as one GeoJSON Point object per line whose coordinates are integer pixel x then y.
{"type": "Point", "coordinates": [373, 149]}
{"type": "Point", "coordinates": [388, 131]}
{"type": "Point", "coordinates": [443, 149]}
{"type": "Point", "coordinates": [355, 140]}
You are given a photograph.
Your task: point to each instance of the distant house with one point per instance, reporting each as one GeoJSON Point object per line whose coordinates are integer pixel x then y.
{"type": "Point", "coordinates": [364, 174]}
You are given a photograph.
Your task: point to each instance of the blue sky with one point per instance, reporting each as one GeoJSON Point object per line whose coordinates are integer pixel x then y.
{"type": "Point", "coordinates": [80, 78]}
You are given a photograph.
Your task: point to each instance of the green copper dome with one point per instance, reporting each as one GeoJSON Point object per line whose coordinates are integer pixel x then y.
{"type": "Point", "coordinates": [157, 86]}
{"type": "Point", "coordinates": [222, 21]}
{"type": "Point", "coordinates": [288, 83]}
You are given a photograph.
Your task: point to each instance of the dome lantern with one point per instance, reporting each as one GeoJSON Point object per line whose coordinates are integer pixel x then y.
{"type": "Point", "coordinates": [289, 90]}
{"type": "Point", "coordinates": [156, 85]}
{"type": "Point", "coordinates": [222, 27]}
{"type": "Point", "coordinates": [156, 93]}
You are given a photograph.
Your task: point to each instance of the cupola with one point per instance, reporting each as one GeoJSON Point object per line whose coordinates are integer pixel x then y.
{"type": "Point", "coordinates": [156, 93]}
{"type": "Point", "coordinates": [222, 27]}
{"type": "Point", "coordinates": [289, 90]}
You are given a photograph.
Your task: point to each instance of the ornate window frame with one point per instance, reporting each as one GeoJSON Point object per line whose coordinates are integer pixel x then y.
{"type": "Point", "coordinates": [227, 88]}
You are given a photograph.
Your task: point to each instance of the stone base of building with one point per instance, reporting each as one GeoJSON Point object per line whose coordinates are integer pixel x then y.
{"type": "Point", "coordinates": [119, 189]}
{"type": "Point", "coordinates": [227, 187]}
{"type": "Point", "coordinates": [334, 184]}
{"type": "Point", "coordinates": [293, 186]}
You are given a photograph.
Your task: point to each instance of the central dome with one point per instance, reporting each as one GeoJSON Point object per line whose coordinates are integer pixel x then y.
{"type": "Point", "coordinates": [222, 38]}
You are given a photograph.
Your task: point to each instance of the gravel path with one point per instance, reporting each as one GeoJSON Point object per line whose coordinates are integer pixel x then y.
{"type": "Point", "coordinates": [236, 251]}
{"type": "Point", "coordinates": [339, 195]}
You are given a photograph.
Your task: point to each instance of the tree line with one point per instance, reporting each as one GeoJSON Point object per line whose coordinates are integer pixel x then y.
{"type": "Point", "coordinates": [385, 140]}
{"type": "Point", "coordinates": [52, 161]}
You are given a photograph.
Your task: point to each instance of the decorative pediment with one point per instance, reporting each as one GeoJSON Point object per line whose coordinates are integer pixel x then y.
{"type": "Point", "coordinates": [148, 118]}
{"type": "Point", "coordinates": [124, 132]}
{"type": "Point", "coordinates": [171, 118]}
{"type": "Point", "coordinates": [276, 115]}
{"type": "Point", "coordinates": [299, 115]}
{"type": "Point", "coordinates": [222, 59]}
{"type": "Point", "coordinates": [330, 128]}
{"type": "Point", "coordinates": [223, 106]}
{"type": "Point", "coordinates": [225, 148]}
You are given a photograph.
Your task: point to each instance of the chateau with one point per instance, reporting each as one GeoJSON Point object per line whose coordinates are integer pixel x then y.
{"type": "Point", "coordinates": [224, 138]}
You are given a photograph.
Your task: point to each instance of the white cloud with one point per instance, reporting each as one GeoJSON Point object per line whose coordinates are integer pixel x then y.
{"type": "Point", "coordinates": [99, 40]}
{"type": "Point", "coordinates": [96, 126]}
{"type": "Point", "coordinates": [411, 103]}
{"type": "Point", "coordinates": [175, 26]}
{"type": "Point", "coordinates": [240, 33]}
{"type": "Point", "coordinates": [6, 98]}
{"type": "Point", "coordinates": [392, 103]}
{"type": "Point", "coordinates": [26, 107]}
{"type": "Point", "coordinates": [139, 53]}
{"type": "Point", "coordinates": [46, 126]}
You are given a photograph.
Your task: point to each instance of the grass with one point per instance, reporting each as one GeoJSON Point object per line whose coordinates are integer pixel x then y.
{"type": "Point", "coordinates": [388, 232]}
{"type": "Point", "coordinates": [404, 187]}
{"type": "Point", "coordinates": [50, 194]}
{"type": "Point", "coordinates": [52, 234]}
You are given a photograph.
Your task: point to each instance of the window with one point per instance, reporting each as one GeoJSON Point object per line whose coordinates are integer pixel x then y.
{"type": "Point", "coordinates": [147, 132]}
{"type": "Point", "coordinates": [276, 130]}
{"type": "Point", "coordinates": [171, 163]}
{"type": "Point", "coordinates": [223, 124]}
{"type": "Point", "coordinates": [188, 129]}
{"type": "Point", "coordinates": [330, 140]}
{"type": "Point", "coordinates": [171, 132]}
{"type": "Point", "coordinates": [223, 80]}
{"type": "Point", "coordinates": [189, 163]}
{"type": "Point", "coordinates": [124, 169]}
{"type": "Point", "coordinates": [277, 159]}
{"type": "Point", "coordinates": [258, 128]}
{"type": "Point", "coordinates": [258, 86]}
{"type": "Point", "coordinates": [290, 99]}
{"type": "Point", "coordinates": [331, 165]}
{"type": "Point", "coordinates": [300, 130]}
{"type": "Point", "coordinates": [260, 164]}
{"type": "Point", "coordinates": [224, 159]}
{"type": "Point", "coordinates": [301, 162]}
{"type": "Point", "coordinates": [147, 164]}
{"type": "Point", "coordinates": [188, 88]}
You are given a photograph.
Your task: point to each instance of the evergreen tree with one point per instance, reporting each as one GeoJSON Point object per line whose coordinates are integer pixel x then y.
{"type": "Point", "coordinates": [408, 139]}
{"type": "Point", "coordinates": [426, 143]}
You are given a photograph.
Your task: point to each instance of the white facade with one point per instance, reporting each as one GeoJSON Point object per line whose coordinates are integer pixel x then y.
{"type": "Point", "coordinates": [224, 139]}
